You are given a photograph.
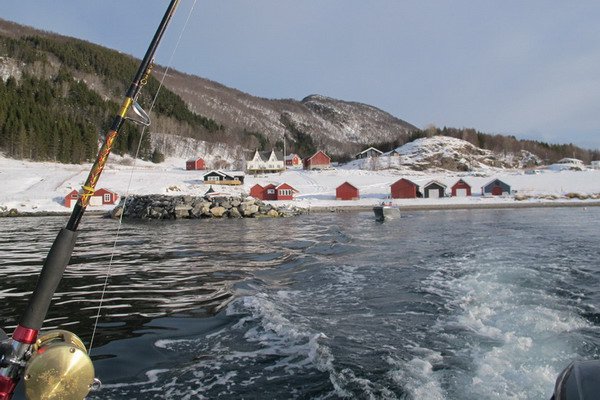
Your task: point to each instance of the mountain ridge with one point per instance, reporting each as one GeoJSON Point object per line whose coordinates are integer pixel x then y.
{"type": "Point", "coordinates": [209, 112]}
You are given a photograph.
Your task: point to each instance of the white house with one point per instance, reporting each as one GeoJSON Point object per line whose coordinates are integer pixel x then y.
{"type": "Point", "coordinates": [595, 165]}
{"type": "Point", "coordinates": [265, 163]}
{"type": "Point", "coordinates": [567, 164]}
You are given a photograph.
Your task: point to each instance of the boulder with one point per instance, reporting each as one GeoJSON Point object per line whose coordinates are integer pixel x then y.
{"type": "Point", "coordinates": [272, 213]}
{"type": "Point", "coordinates": [234, 213]}
{"type": "Point", "coordinates": [217, 211]}
{"type": "Point", "coordinates": [248, 210]}
{"type": "Point", "coordinates": [182, 211]}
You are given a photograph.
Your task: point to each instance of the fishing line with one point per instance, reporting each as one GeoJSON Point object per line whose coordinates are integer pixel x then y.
{"type": "Point", "coordinates": [133, 169]}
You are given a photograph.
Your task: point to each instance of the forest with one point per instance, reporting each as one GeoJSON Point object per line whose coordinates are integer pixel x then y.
{"type": "Point", "coordinates": [48, 114]}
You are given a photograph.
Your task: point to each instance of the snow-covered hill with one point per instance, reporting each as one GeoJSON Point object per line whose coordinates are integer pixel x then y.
{"type": "Point", "coordinates": [446, 153]}
{"type": "Point", "coordinates": [334, 125]}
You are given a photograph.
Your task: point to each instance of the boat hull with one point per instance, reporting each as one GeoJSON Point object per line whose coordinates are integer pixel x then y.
{"type": "Point", "coordinates": [385, 213]}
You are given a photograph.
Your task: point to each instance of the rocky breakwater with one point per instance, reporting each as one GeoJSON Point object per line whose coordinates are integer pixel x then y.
{"type": "Point", "coordinates": [190, 207]}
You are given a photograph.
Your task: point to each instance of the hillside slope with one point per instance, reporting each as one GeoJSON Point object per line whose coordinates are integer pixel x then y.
{"type": "Point", "coordinates": [337, 126]}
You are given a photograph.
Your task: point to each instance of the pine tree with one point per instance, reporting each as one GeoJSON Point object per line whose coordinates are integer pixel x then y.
{"type": "Point", "coordinates": [157, 156]}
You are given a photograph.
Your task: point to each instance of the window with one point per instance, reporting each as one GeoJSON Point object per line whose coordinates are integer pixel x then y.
{"type": "Point", "coordinates": [270, 191]}
{"type": "Point", "coordinates": [107, 197]}
{"type": "Point", "coordinates": [285, 192]}
{"type": "Point", "coordinates": [212, 178]}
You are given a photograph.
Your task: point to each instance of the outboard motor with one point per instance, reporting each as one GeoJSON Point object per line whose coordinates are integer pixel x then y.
{"type": "Point", "coordinates": [579, 381]}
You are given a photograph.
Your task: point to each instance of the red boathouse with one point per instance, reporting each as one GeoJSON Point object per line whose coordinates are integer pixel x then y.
{"type": "Point", "coordinates": [404, 189]}
{"type": "Point", "coordinates": [257, 191]}
{"type": "Point", "coordinates": [461, 189]}
{"type": "Point", "coordinates": [319, 160]}
{"type": "Point", "coordinates": [346, 191]}
{"type": "Point", "coordinates": [285, 192]}
{"type": "Point", "coordinates": [195, 164]}
{"type": "Point", "coordinates": [270, 192]}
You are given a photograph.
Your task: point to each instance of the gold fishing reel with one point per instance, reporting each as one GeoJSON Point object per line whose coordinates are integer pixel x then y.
{"type": "Point", "coordinates": [59, 368]}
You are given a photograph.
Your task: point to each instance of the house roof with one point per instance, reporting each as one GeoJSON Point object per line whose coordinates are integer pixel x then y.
{"type": "Point", "coordinates": [370, 148]}
{"type": "Point", "coordinates": [291, 156]}
{"type": "Point", "coordinates": [224, 173]}
{"type": "Point", "coordinates": [214, 171]}
{"type": "Point", "coordinates": [493, 181]}
{"type": "Point", "coordinates": [286, 185]}
{"type": "Point", "coordinates": [347, 184]}
{"type": "Point", "coordinates": [264, 155]}
{"type": "Point", "coordinates": [434, 182]}
{"type": "Point", "coordinates": [105, 191]}
{"type": "Point", "coordinates": [459, 181]}
{"type": "Point", "coordinates": [405, 180]}
{"type": "Point", "coordinates": [320, 151]}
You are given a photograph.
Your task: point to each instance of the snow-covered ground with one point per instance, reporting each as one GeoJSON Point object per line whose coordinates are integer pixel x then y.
{"type": "Point", "coordinates": [31, 186]}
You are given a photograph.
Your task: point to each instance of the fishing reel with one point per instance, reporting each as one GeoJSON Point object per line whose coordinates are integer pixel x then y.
{"type": "Point", "coordinates": [59, 368]}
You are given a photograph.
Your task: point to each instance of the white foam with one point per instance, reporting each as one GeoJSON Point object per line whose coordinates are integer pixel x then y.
{"type": "Point", "coordinates": [152, 376]}
{"type": "Point", "coordinates": [509, 330]}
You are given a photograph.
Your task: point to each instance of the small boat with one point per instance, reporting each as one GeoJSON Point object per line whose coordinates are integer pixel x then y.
{"type": "Point", "coordinates": [386, 212]}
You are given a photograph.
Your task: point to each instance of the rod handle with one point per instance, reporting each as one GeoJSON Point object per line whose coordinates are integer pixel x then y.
{"type": "Point", "coordinates": [54, 266]}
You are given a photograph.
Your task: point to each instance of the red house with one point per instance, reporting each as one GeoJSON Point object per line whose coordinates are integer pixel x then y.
{"type": "Point", "coordinates": [257, 192]}
{"type": "Point", "coordinates": [285, 192]}
{"type": "Point", "coordinates": [346, 191]}
{"type": "Point", "coordinates": [195, 164]}
{"type": "Point", "coordinates": [461, 189]}
{"type": "Point", "coordinates": [319, 160]}
{"type": "Point", "coordinates": [101, 197]}
{"type": "Point", "coordinates": [404, 189]}
{"type": "Point", "coordinates": [293, 160]}
{"type": "Point", "coordinates": [71, 197]}
{"type": "Point", "coordinates": [270, 192]}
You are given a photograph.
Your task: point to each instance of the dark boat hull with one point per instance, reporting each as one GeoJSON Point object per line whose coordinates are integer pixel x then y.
{"type": "Point", "coordinates": [385, 213]}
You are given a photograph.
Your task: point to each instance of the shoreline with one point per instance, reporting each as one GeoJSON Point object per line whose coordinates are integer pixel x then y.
{"type": "Point", "coordinates": [361, 208]}
{"type": "Point", "coordinates": [442, 207]}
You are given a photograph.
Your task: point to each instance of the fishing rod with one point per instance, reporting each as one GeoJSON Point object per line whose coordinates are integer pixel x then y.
{"type": "Point", "coordinates": [55, 365]}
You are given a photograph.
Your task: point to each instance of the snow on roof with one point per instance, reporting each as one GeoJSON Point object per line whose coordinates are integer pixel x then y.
{"type": "Point", "coordinates": [434, 182]}
{"type": "Point", "coordinates": [370, 148]}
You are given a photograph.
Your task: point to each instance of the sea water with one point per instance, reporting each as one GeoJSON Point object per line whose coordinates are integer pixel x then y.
{"type": "Point", "coordinates": [479, 304]}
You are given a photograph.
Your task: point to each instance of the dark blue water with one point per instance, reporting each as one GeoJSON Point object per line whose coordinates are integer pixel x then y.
{"type": "Point", "coordinates": [485, 304]}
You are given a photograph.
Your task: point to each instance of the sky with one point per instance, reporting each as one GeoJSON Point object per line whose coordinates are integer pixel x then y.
{"type": "Point", "coordinates": [529, 69]}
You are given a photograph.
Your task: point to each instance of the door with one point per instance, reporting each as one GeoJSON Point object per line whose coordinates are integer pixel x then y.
{"type": "Point", "coordinates": [496, 191]}
{"type": "Point", "coordinates": [433, 193]}
{"type": "Point", "coordinates": [96, 201]}
{"type": "Point", "coordinates": [461, 192]}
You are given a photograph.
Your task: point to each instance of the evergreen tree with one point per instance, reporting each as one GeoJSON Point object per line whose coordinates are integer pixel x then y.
{"type": "Point", "coordinates": [157, 156]}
